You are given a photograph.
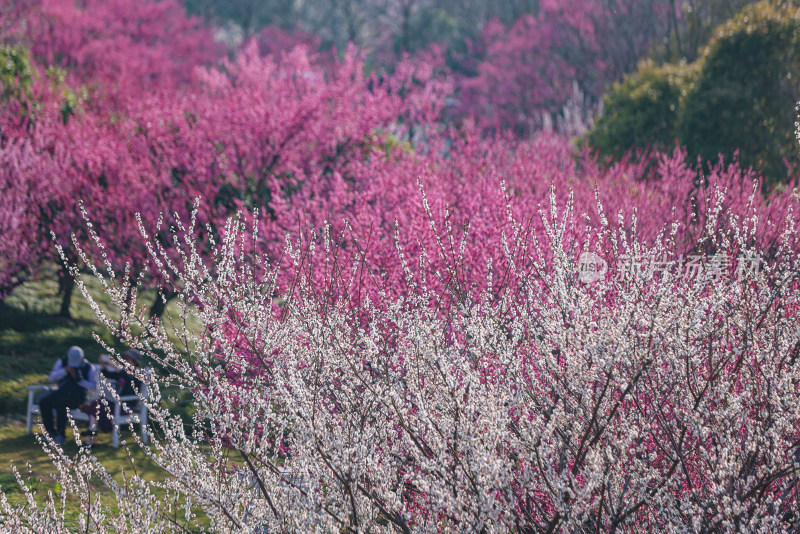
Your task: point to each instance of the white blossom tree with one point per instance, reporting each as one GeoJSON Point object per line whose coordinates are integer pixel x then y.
{"type": "Point", "coordinates": [654, 398]}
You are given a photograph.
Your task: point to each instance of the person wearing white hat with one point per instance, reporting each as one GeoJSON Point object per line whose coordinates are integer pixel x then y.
{"type": "Point", "coordinates": [75, 377]}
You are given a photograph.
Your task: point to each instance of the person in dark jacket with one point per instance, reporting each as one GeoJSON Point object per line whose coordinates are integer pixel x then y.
{"type": "Point", "coordinates": [100, 410]}
{"type": "Point", "coordinates": [75, 377]}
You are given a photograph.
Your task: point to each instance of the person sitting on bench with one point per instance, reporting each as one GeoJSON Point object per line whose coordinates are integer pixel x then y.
{"type": "Point", "coordinates": [100, 410]}
{"type": "Point", "coordinates": [75, 377]}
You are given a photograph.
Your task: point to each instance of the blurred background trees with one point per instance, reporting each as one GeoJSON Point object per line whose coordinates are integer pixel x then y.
{"type": "Point", "coordinates": [660, 72]}
{"type": "Point", "coordinates": [140, 94]}
{"type": "Point", "coordinates": [519, 65]}
{"type": "Point", "coordinates": [694, 22]}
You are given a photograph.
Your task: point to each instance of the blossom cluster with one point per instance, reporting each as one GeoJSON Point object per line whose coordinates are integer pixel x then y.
{"type": "Point", "coordinates": [538, 404]}
{"type": "Point", "coordinates": [396, 329]}
{"type": "Point", "coordinates": [156, 117]}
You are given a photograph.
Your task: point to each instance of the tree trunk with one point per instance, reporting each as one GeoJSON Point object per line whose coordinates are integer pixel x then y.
{"type": "Point", "coordinates": [163, 296]}
{"type": "Point", "coordinates": [66, 286]}
{"type": "Point", "coordinates": [405, 32]}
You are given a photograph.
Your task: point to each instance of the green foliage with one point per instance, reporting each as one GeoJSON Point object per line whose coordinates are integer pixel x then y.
{"type": "Point", "coordinates": [642, 111]}
{"type": "Point", "coordinates": [71, 100]}
{"type": "Point", "coordinates": [16, 72]}
{"type": "Point", "coordinates": [746, 91]}
{"type": "Point", "coordinates": [17, 77]}
{"type": "Point", "coordinates": [737, 97]}
{"type": "Point", "coordinates": [387, 144]}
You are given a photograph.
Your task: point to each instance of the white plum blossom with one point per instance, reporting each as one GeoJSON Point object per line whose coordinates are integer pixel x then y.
{"type": "Point", "coordinates": [539, 403]}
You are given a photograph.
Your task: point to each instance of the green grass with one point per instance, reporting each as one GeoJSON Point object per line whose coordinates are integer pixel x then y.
{"type": "Point", "coordinates": [19, 448]}
{"type": "Point", "coordinates": [33, 336]}
{"type": "Point", "coordinates": [23, 451]}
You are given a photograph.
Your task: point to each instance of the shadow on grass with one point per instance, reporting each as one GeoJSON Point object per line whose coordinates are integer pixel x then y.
{"type": "Point", "coordinates": [33, 336]}
{"type": "Point", "coordinates": [30, 343]}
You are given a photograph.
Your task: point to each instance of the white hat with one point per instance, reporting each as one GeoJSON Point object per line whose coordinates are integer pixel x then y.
{"type": "Point", "coordinates": [75, 356]}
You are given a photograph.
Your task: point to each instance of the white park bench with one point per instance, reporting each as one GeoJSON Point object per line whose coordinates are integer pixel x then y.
{"type": "Point", "coordinates": [139, 413]}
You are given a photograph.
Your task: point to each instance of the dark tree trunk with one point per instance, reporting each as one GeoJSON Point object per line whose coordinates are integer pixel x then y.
{"type": "Point", "coordinates": [406, 28]}
{"type": "Point", "coordinates": [66, 286]}
{"type": "Point", "coordinates": [163, 296]}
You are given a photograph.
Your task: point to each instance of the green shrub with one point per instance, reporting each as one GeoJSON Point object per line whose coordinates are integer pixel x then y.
{"type": "Point", "coordinates": [17, 77]}
{"type": "Point", "coordinates": [642, 111]}
{"type": "Point", "coordinates": [746, 91]}
{"type": "Point", "coordinates": [738, 96]}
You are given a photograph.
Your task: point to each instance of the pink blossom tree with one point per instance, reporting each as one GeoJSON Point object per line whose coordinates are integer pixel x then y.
{"type": "Point", "coordinates": [526, 71]}
{"type": "Point", "coordinates": [27, 184]}
{"type": "Point", "coordinates": [257, 133]}
{"type": "Point", "coordinates": [119, 49]}
{"type": "Point", "coordinates": [619, 404]}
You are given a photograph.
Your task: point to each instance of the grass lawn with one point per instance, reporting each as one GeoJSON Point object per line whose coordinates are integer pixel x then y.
{"type": "Point", "coordinates": [23, 451]}
{"type": "Point", "coordinates": [32, 337]}
{"type": "Point", "coordinates": [19, 449]}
